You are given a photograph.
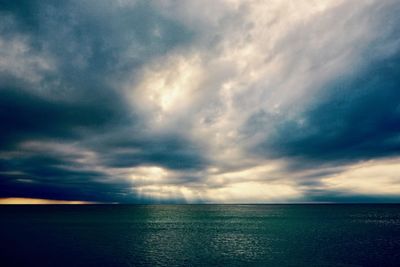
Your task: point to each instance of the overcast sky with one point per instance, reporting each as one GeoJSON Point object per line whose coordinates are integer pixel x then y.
{"type": "Point", "coordinates": [199, 101]}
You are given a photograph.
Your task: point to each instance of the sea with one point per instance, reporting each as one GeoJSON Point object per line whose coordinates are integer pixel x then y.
{"type": "Point", "coordinates": [200, 235]}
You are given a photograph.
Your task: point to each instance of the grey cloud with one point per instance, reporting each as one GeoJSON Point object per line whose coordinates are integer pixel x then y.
{"type": "Point", "coordinates": [92, 45]}
{"type": "Point", "coordinates": [357, 118]}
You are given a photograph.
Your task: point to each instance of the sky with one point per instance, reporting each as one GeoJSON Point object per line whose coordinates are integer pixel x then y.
{"type": "Point", "coordinates": [227, 101]}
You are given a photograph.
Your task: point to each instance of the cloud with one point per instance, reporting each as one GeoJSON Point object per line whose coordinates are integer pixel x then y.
{"type": "Point", "coordinates": [356, 118]}
{"type": "Point", "coordinates": [362, 178]}
{"type": "Point", "coordinates": [227, 101]}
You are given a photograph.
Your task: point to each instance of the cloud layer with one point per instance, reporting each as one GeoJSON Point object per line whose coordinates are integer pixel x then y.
{"type": "Point", "coordinates": [200, 101]}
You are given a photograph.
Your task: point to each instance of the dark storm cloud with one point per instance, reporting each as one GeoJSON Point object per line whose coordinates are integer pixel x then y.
{"type": "Point", "coordinates": [342, 197]}
{"type": "Point", "coordinates": [51, 176]}
{"type": "Point", "coordinates": [355, 118]}
{"type": "Point", "coordinates": [90, 46]}
{"type": "Point", "coordinates": [135, 149]}
{"type": "Point", "coordinates": [25, 116]}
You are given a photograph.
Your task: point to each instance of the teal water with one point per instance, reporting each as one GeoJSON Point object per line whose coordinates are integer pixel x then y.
{"type": "Point", "coordinates": [200, 235]}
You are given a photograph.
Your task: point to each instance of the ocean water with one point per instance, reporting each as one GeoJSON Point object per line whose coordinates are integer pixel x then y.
{"type": "Point", "coordinates": [200, 235]}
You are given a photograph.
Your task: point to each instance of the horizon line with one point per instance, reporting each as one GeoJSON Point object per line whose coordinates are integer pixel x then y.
{"type": "Point", "coordinates": [36, 201]}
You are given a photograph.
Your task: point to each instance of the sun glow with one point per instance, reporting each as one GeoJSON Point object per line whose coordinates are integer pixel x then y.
{"type": "Point", "coordinates": [38, 201]}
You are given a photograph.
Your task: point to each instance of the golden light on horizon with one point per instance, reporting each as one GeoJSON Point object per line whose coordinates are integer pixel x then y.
{"type": "Point", "coordinates": [38, 201]}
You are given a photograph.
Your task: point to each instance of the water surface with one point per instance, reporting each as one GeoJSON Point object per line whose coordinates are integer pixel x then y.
{"type": "Point", "coordinates": [200, 235]}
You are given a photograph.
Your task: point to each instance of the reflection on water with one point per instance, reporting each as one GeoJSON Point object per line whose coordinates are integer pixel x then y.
{"type": "Point", "coordinates": [201, 235]}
